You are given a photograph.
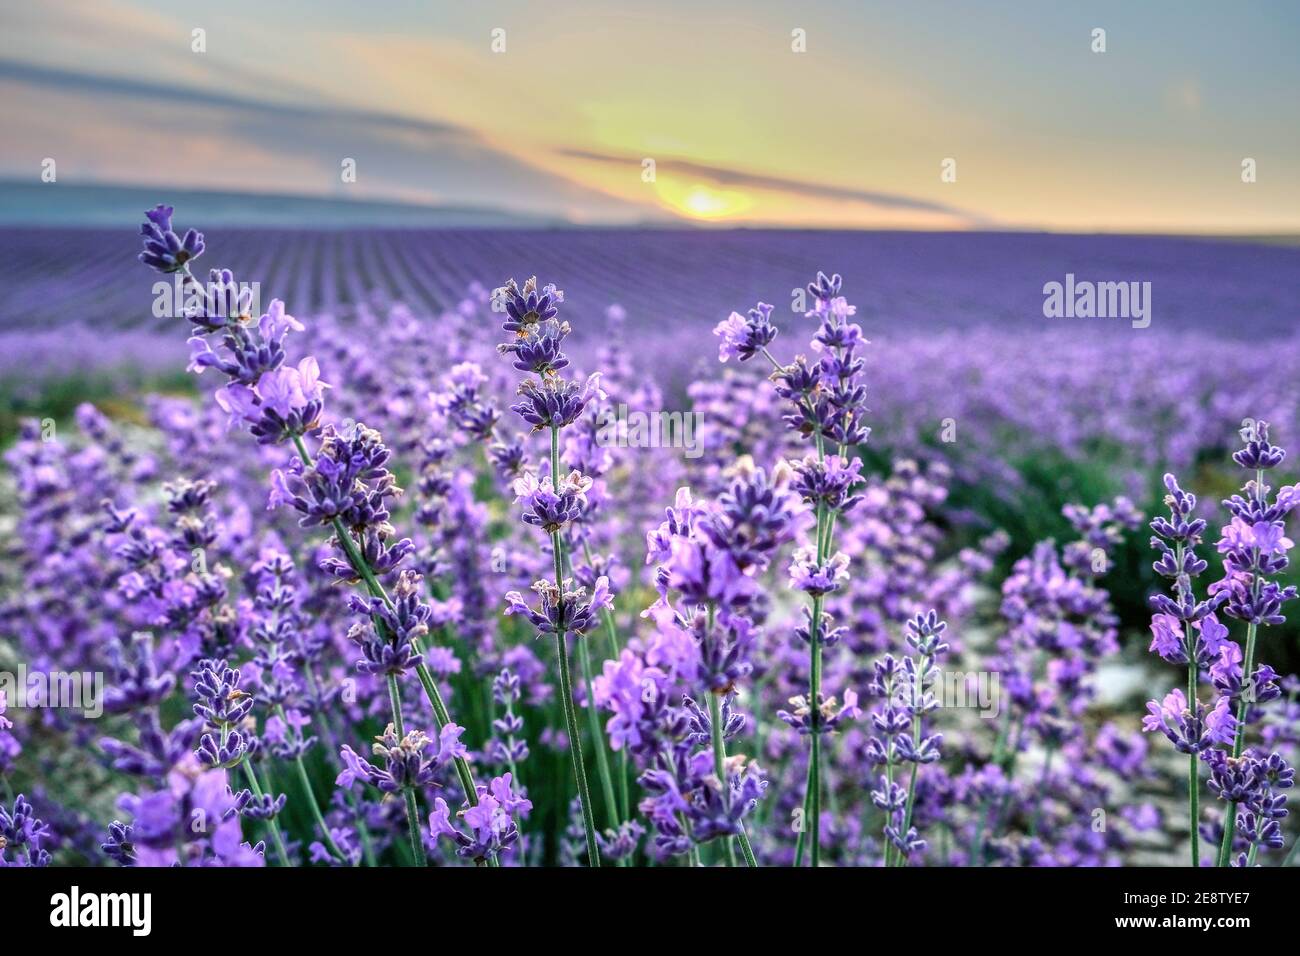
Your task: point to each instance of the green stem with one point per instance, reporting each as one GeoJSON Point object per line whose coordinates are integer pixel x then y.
{"type": "Point", "coordinates": [1230, 819]}
{"type": "Point", "coordinates": [720, 761]}
{"type": "Point", "coordinates": [1247, 666]}
{"type": "Point", "coordinates": [814, 766]}
{"type": "Point", "coordinates": [367, 845]}
{"type": "Point", "coordinates": [812, 792]}
{"type": "Point", "coordinates": [694, 855]}
{"type": "Point", "coordinates": [1042, 789]}
{"type": "Point", "coordinates": [566, 681]}
{"type": "Point", "coordinates": [611, 631]}
{"type": "Point", "coordinates": [412, 810]}
{"type": "Point", "coordinates": [800, 840]}
{"type": "Point", "coordinates": [575, 750]}
{"type": "Point", "coordinates": [745, 848]}
{"type": "Point", "coordinates": [1193, 771]}
{"type": "Point", "coordinates": [598, 737]}
{"type": "Point", "coordinates": [824, 526]}
{"type": "Point", "coordinates": [328, 731]}
{"type": "Point", "coordinates": [258, 792]}
{"type": "Point", "coordinates": [1290, 857]}
{"type": "Point", "coordinates": [305, 782]}
{"type": "Point", "coordinates": [1194, 801]}
{"type": "Point", "coordinates": [510, 742]}
{"type": "Point", "coordinates": [899, 858]}
{"type": "Point", "coordinates": [889, 780]}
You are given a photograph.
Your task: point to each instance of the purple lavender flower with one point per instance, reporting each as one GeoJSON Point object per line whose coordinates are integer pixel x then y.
{"type": "Point", "coordinates": [553, 402]}
{"type": "Point", "coordinates": [490, 826]}
{"type": "Point", "coordinates": [744, 336]}
{"type": "Point", "coordinates": [411, 761]}
{"type": "Point", "coordinates": [1254, 547]}
{"type": "Point", "coordinates": [387, 632]}
{"type": "Point", "coordinates": [223, 706]}
{"type": "Point", "coordinates": [905, 695]}
{"type": "Point", "coordinates": [190, 821]}
{"type": "Point", "coordinates": [1251, 783]}
{"type": "Point", "coordinates": [1186, 631]}
{"type": "Point", "coordinates": [568, 613]}
{"type": "Point", "coordinates": [21, 835]}
{"type": "Point", "coordinates": [345, 486]}
{"type": "Point", "coordinates": [827, 716]}
{"type": "Point", "coordinates": [163, 249]}
{"type": "Point", "coordinates": [508, 745]}
{"type": "Point", "coordinates": [1190, 733]}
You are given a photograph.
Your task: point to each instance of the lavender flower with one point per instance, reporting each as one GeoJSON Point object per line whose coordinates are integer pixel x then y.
{"type": "Point", "coordinates": [408, 762]}
{"type": "Point", "coordinates": [490, 824]}
{"type": "Point", "coordinates": [906, 697]}
{"type": "Point", "coordinates": [744, 336]}
{"type": "Point", "coordinates": [21, 835]}
{"type": "Point", "coordinates": [163, 249]}
{"type": "Point", "coordinates": [826, 402]}
{"type": "Point", "coordinates": [223, 707]}
{"type": "Point", "coordinates": [345, 486]}
{"type": "Point", "coordinates": [1254, 546]}
{"type": "Point", "coordinates": [552, 402]}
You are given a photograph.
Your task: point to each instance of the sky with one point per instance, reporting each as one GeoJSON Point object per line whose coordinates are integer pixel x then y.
{"type": "Point", "coordinates": [706, 112]}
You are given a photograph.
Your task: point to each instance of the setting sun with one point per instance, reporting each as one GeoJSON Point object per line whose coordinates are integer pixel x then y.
{"type": "Point", "coordinates": [703, 202]}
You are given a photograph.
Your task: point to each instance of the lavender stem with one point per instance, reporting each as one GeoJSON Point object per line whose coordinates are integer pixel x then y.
{"type": "Point", "coordinates": [408, 795]}
{"type": "Point", "coordinates": [274, 827]}
{"type": "Point", "coordinates": [1247, 667]}
{"type": "Point", "coordinates": [305, 781]}
{"type": "Point", "coordinates": [566, 681]}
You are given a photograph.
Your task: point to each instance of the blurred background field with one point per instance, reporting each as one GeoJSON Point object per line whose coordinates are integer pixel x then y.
{"type": "Point", "coordinates": [1042, 411]}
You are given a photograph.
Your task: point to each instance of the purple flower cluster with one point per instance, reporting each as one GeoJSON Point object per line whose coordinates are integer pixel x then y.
{"type": "Point", "coordinates": [21, 835]}
{"type": "Point", "coordinates": [906, 695]}
{"type": "Point", "coordinates": [1253, 546]}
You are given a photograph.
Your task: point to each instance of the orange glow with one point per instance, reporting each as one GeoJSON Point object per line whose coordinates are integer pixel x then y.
{"type": "Point", "coordinates": [704, 202]}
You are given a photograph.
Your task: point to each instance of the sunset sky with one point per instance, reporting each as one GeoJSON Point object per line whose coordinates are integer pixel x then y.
{"type": "Point", "coordinates": [1148, 136]}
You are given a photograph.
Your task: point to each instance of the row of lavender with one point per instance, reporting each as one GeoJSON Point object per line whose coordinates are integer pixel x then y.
{"type": "Point", "coordinates": [777, 668]}
{"type": "Point", "coordinates": [56, 277]}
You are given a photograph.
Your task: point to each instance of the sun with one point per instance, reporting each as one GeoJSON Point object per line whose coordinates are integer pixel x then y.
{"type": "Point", "coordinates": [699, 201]}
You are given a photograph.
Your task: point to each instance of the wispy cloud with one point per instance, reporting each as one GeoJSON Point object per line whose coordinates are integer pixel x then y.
{"type": "Point", "coordinates": [56, 78]}
{"type": "Point", "coordinates": [271, 145]}
{"type": "Point", "coordinates": [737, 178]}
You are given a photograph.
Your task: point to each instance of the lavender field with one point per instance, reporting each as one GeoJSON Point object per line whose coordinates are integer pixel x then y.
{"type": "Point", "coordinates": [914, 576]}
{"type": "Point", "coordinates": [680, 279]}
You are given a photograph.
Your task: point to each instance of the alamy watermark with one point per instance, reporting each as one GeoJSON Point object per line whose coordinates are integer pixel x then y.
{"type": "Point", "coordinates": [222, 296]}
{"type": "Point", "coordinates": [980, 691]}
{"type": "Point", "coordinates": [133, 911]}
{"type": "Point", "coordinates": [619, 427]}
{"type": "Point", "coordinates": [1084, 299]}
{"type": "Point", "coordinates": [54, 690]}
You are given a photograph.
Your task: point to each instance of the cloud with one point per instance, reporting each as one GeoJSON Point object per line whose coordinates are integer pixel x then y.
{"type": "Point", "coordinates": [145, 131]}
{"type": "Point", "coordinates": [58, 78]}
{"type": "Point", "coordinates": [724, 176]}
